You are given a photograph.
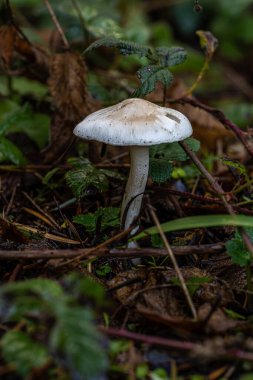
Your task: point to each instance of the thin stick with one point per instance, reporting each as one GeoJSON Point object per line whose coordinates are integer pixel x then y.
{"type": "Point", "coordinates": [123, 253]}
{"type": "Point", "coordinates": [174, 261]}
{"type": "Point", "coordinates": [57, 24]}
{"type": "Point", "coordinates": [172, 343]}
{"type": "Point", "coordinates": [219, 115]}
{"type": "Point", "coordinates": [245, 237]}
{"type": "Point", "coordinates": [102, 245]}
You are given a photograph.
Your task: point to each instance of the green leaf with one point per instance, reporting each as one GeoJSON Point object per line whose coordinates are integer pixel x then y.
{"type": "Point", "coordinates": [193, 283]}
{"type": "Point", "coordinates": [160, 169]}
{"type": "Point", "coordinates": [108, 217]}
{"type": "Point", "coordinates": [199, 222]}
{"type": "Point", "coordinates": [125, 47]}
{"type": "Point", "coordinates": [173, 151]}
{"type": "Point", "coordinates": [14, 117]}
{"type": "Point", "coordinates": [24, 353]}
{"type": "Point", "coordinates": [10, 152]}
{"type": "Point", "coordinates": [28, 298]}
{"type": "Point", "coordinates": [149, 76]}
{"type": "Point", "coordinates": [76, 342]}
{"type": "Point", "coordinates": [173, 56]}
{"type": "Point", "coordinates": [237, 249]}
{"type": "Point", "coordinates": [85, 178]}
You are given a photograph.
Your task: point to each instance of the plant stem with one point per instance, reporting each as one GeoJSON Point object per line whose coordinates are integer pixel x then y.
{"type": "Point", "coordinates": [174, 262]}
{"type": "Point", "coordinates": [136, 184]}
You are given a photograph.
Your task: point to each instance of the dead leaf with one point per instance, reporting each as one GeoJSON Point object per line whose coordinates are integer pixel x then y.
{"type": "Point", "coordinates": [67, 84]}
{"type": "Point", "coordinates": [207, 42]}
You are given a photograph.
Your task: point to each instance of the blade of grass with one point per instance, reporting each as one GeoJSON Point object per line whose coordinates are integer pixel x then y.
{"type": "Point", "coordinates": [199, 222]}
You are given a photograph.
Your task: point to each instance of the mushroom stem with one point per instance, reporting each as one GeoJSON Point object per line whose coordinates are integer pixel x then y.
{"type": "Point", "coordinates": [136, 184]}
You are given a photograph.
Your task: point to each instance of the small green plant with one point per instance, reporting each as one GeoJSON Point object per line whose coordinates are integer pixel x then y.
{"type": "Point", "coordinates": [160, 60]}
{"type": "Point", "coordinates": [107, 217]}
{"type": "Point", "coordinates": [237, 249]}
{"type": "Point", "coordinates": [163, 155]}
{"type": "Point", "coordinates": [84, 178]}
{"type": "Point", "coordinates": [56, 328]}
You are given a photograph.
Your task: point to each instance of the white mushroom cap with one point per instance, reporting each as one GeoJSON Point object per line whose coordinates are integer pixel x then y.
{"type": "Point", "coordinates": [134, 122]}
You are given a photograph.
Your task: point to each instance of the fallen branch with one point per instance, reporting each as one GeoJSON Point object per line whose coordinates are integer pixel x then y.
{"type": "Point", "coordinates": [88, 253]}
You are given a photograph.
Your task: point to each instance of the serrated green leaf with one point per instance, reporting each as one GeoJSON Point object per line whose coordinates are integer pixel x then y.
{"type": "Point", "coordinates": [173, 151]}
{"type": "Point", "coordinates": [199, 222]}
{"type": "Point", "coordinates": [24, 353]}
{"type": "Point", "coordinates": [125, 47]}
{"type": "Point", "coordinates": [237, 249]}
{"type": "Point", "coordinates": [160, 169]}
{"type": "Point", "coordinates": [168, 57]}
{"type": "Point", "coordinates": [108, 217]}
{"type": "Point", "coordinates": [10, 152]}
{"type": "Point", "coordinates": [28, 297]}
{"type": "Point", "coordinates": [76, 342]}
{"type": "Point", "coordinates": [85, 177]}
{"type": "Point", "coordinates": [149, 76]}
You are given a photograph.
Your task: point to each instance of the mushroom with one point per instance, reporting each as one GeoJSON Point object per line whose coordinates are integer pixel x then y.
{"type": "Point", "coordinates": [138, 124]}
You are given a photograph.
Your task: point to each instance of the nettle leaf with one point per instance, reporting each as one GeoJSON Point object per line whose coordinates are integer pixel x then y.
{"type": "Point", "coordinates": [10, 152]}
{"type": "Point", "coordinates": [76, 343]}
{"type": "Point", "coordinates": [108, 217]}
{"type": "Point", "coordinates": [149, 76]}
{"type": "Point", "coordinates": [173, 151]}
{"type": "Point", "coordinates": [72, 338]}
{"type": "Point", "coordinates": [23, 352]}
{"type": "Point", "coordinates": [173, 56]}
{"type": "Point", "coordinates": [85, 178]}
{"type": "Point", "coordinates": [237, 249]}
{"type": "Point", "coordinates": [160, 169]}
{"type": "Point", "coordinates": [125, 47]}
{"type": "Point", "coordinates": [28, 297]}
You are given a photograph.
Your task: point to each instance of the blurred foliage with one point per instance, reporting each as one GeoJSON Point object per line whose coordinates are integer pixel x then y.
{"type": "Point", "coordinates": [58, 327]}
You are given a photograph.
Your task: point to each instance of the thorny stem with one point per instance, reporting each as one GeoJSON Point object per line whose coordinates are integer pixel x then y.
{"type": "Point", "coordinates": [174, 262]}
{"type": "Point", "coordinates": [218, 189]}
{"type": "Point", "coordinates": [219, 115]}
{"type": "Point", "coordinates": [229, 208]}
{"type": "Point", "coordinates": [57, 24]}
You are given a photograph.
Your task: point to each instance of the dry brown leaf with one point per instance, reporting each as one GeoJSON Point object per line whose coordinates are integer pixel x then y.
{"type": "Point", "coordinates": [67, 83]}
{"type": "Point", "coordinates": [218, 321]}
{"type": "Point", "coordinates": [206, 127]}
{"type": "Point", "coordinates": [7, 43]}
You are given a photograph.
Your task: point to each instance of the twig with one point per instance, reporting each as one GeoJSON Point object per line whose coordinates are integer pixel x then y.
{"type": "Point", "coordinates": [217, 188]}
{"type": "Point", "coordinates": [200, 198]}
{"type": "Point", "coordinates": [119, 236]}
{"type": "Point", "coordinates": [124, 253]}
{"type": "Point", "coordinates": [174, 261]}
{"type": "Point", "coordinates": [169, 343]}
{"type": "Point", "coordinates": [57, 24]}
{"type": "Point", "coordinates": [187, 346]}
{"type": "Point", "coordinates": [245, 237]}
{"type": "Point", "coordinates": [219, 115]}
